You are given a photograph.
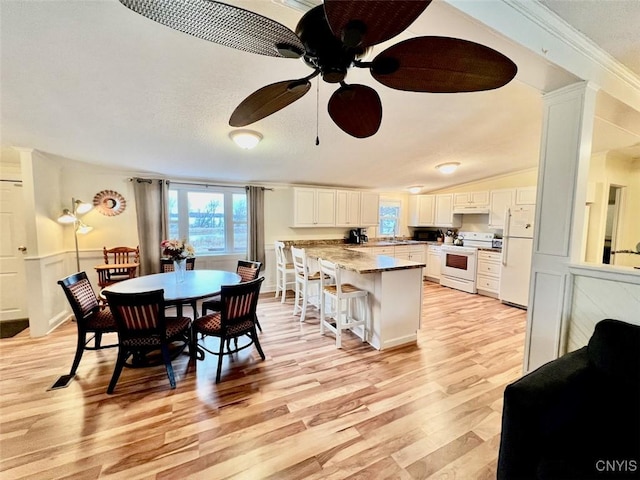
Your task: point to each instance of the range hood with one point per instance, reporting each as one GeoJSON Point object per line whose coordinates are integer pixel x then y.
{"type": "Point", "coordinates": [470, 209]}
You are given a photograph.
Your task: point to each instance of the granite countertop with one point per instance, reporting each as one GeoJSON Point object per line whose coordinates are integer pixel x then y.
{"type": "Point", "coordinates": [359, 262]}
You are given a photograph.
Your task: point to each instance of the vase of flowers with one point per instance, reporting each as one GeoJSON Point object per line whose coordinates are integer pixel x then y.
{"type": "Point", "coordinates": [178, 251]}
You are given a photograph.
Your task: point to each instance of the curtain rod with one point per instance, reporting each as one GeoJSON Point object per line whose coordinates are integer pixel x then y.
{"type": "Point", "coordinates": [216, 185]}
{"type": "Point", "coordinates": [150, 180]}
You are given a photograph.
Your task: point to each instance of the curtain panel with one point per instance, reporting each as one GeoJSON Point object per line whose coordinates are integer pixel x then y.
{"type": "Point", "coordinates": [152, 217]}
{"type": "Point", "coordinates": [255, 204]}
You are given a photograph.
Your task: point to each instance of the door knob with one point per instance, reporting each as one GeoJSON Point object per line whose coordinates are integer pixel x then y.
{"type": "Point", "coordinates": [22, 248]}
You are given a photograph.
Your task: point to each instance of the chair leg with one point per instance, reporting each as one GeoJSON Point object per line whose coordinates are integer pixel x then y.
{"type": "Point", "coordinates": [283, 286]}
{"type": "Point", "coordinates": [296, 300]}
{"type": "Point", "coordinates": [305, 295]}
{"type": "Point", "coordinates": [220, 354]}
{"type": "Point", "coordinates": [97, 339]}
{"type": "Point", "coordinates": [122, 357]}
{"type": "Point", "coordinates": [257, 342]}
{"type": "Point", "coordinates": [277, 284]}
{"type": "Point", "coordinates": [168, 366]}
{"type": "Point", "coordinates": [82, 338]}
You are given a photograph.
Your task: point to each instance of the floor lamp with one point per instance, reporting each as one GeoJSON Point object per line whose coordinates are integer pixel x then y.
{"type": "Point", "coordinates": [72, 216]}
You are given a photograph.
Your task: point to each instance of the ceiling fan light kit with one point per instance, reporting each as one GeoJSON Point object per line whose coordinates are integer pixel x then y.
{"type": "Point", "coordinates": [331, 38]}
{"type": "Point", "coordinates": [246, 139]}
{"type": "Point", "coordinates": [448, 168]}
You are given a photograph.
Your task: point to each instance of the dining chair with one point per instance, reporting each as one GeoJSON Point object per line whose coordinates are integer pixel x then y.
{"type": "Point", "coordinates": [248, 271]}
{"type": "Point", "coordinates": [237, 318]}
{"type": "Point", "coordinates": [342, 297]}
{"type": "Point", "coordinates": [304, 281]}
{"type": "Point", "coordinates": [115, 256]}
{"type": "Point", "coordinates": [90, 318]}
{"type": "Point", "coordinates": [144, 328]}
{"type": "Point", "coordinates": [166, 266]}
{"type": "Point", "coordinates": [284, 270]}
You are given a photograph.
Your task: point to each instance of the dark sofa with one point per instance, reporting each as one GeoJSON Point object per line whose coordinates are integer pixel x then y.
{"type": "Point", "coordinates": [577, 417]}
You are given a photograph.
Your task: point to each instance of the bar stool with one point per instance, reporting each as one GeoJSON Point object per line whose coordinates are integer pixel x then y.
{"type": "Point", "coordinates": [283, 270]}
{"type": "Point", "coordinates": [342, 297]}
{"type": "Point", "coordinates": [304, 281]}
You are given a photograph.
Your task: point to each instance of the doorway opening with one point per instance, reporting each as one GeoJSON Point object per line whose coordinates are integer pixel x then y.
{"type": "Point", "coordinates": [611, 228]}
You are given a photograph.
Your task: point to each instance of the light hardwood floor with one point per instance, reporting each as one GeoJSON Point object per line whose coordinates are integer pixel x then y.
{"type": "Point", "coordinates": [310, 411]}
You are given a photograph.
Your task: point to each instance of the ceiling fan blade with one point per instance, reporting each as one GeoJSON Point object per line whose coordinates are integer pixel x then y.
{"type": "Point", "coordinates": [442, 65]}
{"type": "Point", "coordinates": [369, 22]}
{"type": "Point", "coordinates": [356, 109]}
{"type": "Point", "coordinates": [268, 100]}
{"type": "Point", "coordinates": [223, 24]}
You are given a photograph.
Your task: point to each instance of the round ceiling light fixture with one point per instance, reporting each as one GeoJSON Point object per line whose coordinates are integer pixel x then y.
{"type": "Point", "coordinates": [415, 189]}
{"type": "Point", "coordinates": [448, 168]}
{"type": "Point", "coordinates": [246, 139]}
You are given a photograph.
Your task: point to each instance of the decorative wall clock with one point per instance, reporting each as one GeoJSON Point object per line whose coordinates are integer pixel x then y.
{"type": "Point", "coordinates": [109, 203]}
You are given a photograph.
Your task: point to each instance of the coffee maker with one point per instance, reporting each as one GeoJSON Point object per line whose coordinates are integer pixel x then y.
{"type": "Point", "coordinates": [363, 235]}
{"type": "Point", "coordinates": [358, 235]}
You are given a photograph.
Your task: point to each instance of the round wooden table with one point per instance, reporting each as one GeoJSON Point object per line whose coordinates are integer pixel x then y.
{"type": "Point", "coordinates": [197, 284]}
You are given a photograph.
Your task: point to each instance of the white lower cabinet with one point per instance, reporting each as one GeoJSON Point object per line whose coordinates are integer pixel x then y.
{"type": "Point", "coordinates": [488, 273]}
{"type": "Point", "coordinates": [433, 261]}
{"type": "Point", "coordinates": [415, 253]}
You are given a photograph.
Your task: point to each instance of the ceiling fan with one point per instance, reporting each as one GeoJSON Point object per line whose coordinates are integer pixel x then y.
{"type": "Point", "coordinates": [332, 38]}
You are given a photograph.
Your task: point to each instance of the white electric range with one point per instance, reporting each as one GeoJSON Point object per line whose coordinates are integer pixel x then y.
{"type": "Point", "coordinates": [459, 262]}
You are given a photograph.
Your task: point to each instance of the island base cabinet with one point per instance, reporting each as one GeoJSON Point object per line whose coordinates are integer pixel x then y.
{"type": "Point", "coordinates": [395, 303]}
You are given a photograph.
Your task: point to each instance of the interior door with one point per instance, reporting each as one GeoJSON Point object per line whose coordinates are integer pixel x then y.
{"type": "Point", "coordinates": [13, 302]}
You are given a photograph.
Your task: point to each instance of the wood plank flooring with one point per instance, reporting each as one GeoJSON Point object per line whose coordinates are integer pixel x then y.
{"type": "Point", "coordinates": [310, 411]}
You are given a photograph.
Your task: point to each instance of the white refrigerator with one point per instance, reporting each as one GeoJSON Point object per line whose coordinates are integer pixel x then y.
{"type": "Point", "coordinates": [517, 246]}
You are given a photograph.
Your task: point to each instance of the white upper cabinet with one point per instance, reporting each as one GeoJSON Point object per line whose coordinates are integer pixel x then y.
{"type": "Point", "coordinates": [526, 195]}
{"type": "Point", "coordinates": [499, 201]}
{"type": "Point", "coordinates": [314, 207]}
{"type": "Point", "coordinates": [422, 210]}
{"type": "Point", "coordinates": [444, 216]}
{"type": "Point", "coordinates": [473, 199]}
{"type": "Point", "coordinates": [369, 209]}
{"type": "Point", "coordinates": [347, 208]}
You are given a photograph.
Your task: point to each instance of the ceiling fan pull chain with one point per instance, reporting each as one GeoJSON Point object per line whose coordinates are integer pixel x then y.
{"type": "Point", "coordinates": [317, 113]}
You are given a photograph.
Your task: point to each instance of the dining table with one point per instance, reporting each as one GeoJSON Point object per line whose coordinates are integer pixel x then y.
{"type": "Point", "coordinates": [197, 284]}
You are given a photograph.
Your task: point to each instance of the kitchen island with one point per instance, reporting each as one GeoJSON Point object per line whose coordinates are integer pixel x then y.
{"type": "Point", "coordinates": [394, 286]}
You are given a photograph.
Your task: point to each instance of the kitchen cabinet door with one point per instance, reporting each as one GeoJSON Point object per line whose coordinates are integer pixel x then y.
{"type": "Point", "coordinates": [422, 210]}
{"type": "Point", "coordinates": [444, 211]}
{"type": "Point", "coordinates": [433, 264]}
{"type": "Point", "coordinates": [314, 207]}
{"type": "Point", "coordinates": [326, 208]}
{"type": "Point", "coordinates": [499, 201]}
{"type": "Point", "coordinates": [475, 199]}
{"type": "Point", "coordinates": [526, 195]}
{"type": "Point", "coordinates": [369, 209]}
{"type": "Point", "coordinates": [347, 208]}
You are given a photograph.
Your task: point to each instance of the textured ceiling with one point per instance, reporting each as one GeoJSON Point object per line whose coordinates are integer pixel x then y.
{"type": "Point", "coordinates": [97, 83]}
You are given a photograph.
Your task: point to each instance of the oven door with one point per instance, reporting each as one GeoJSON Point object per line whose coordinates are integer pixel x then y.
{"type": "Point", "coordinates": [459, 262]}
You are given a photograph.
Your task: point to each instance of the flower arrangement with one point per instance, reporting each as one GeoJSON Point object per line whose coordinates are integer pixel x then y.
{"type": "Point", "coordinates": [176, 249]}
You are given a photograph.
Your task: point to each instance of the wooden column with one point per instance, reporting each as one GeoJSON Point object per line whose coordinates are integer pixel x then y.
{"type": "Point", "coordinates": [562, 182]}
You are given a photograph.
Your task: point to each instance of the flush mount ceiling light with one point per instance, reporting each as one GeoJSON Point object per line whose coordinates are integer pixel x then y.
{"type": "Point", "coordinates": [415, 189]}
{"type": "Point", "coordinates": [246, 139]}
{"type": "Point", "coordinates": [448, 168]}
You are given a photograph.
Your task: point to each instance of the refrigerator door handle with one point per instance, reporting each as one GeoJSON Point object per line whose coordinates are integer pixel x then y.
{"type": "Point", "coordinates": [505, 246]}
{"type": "Point", "coordinates": [507, 222]}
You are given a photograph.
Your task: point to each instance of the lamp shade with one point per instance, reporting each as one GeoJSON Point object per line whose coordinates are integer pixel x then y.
{"type": "Point", "coordinates": [66, 217]}
{"type": "Point", "coordinates": [83, 229]}
{"type": "Point", "coordinates": [246, 139]}
{"type": "Point", "coordinates": [81, 207]}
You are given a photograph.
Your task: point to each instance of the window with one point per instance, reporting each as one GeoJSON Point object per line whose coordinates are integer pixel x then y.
{"type": "Point", "coordinates": [389, 217]}
{"type": "Point", "coordinates": [212, 219]}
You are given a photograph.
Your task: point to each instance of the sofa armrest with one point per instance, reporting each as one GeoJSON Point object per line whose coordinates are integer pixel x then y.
{"type": "Point", "coordinates": [535, 407]}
